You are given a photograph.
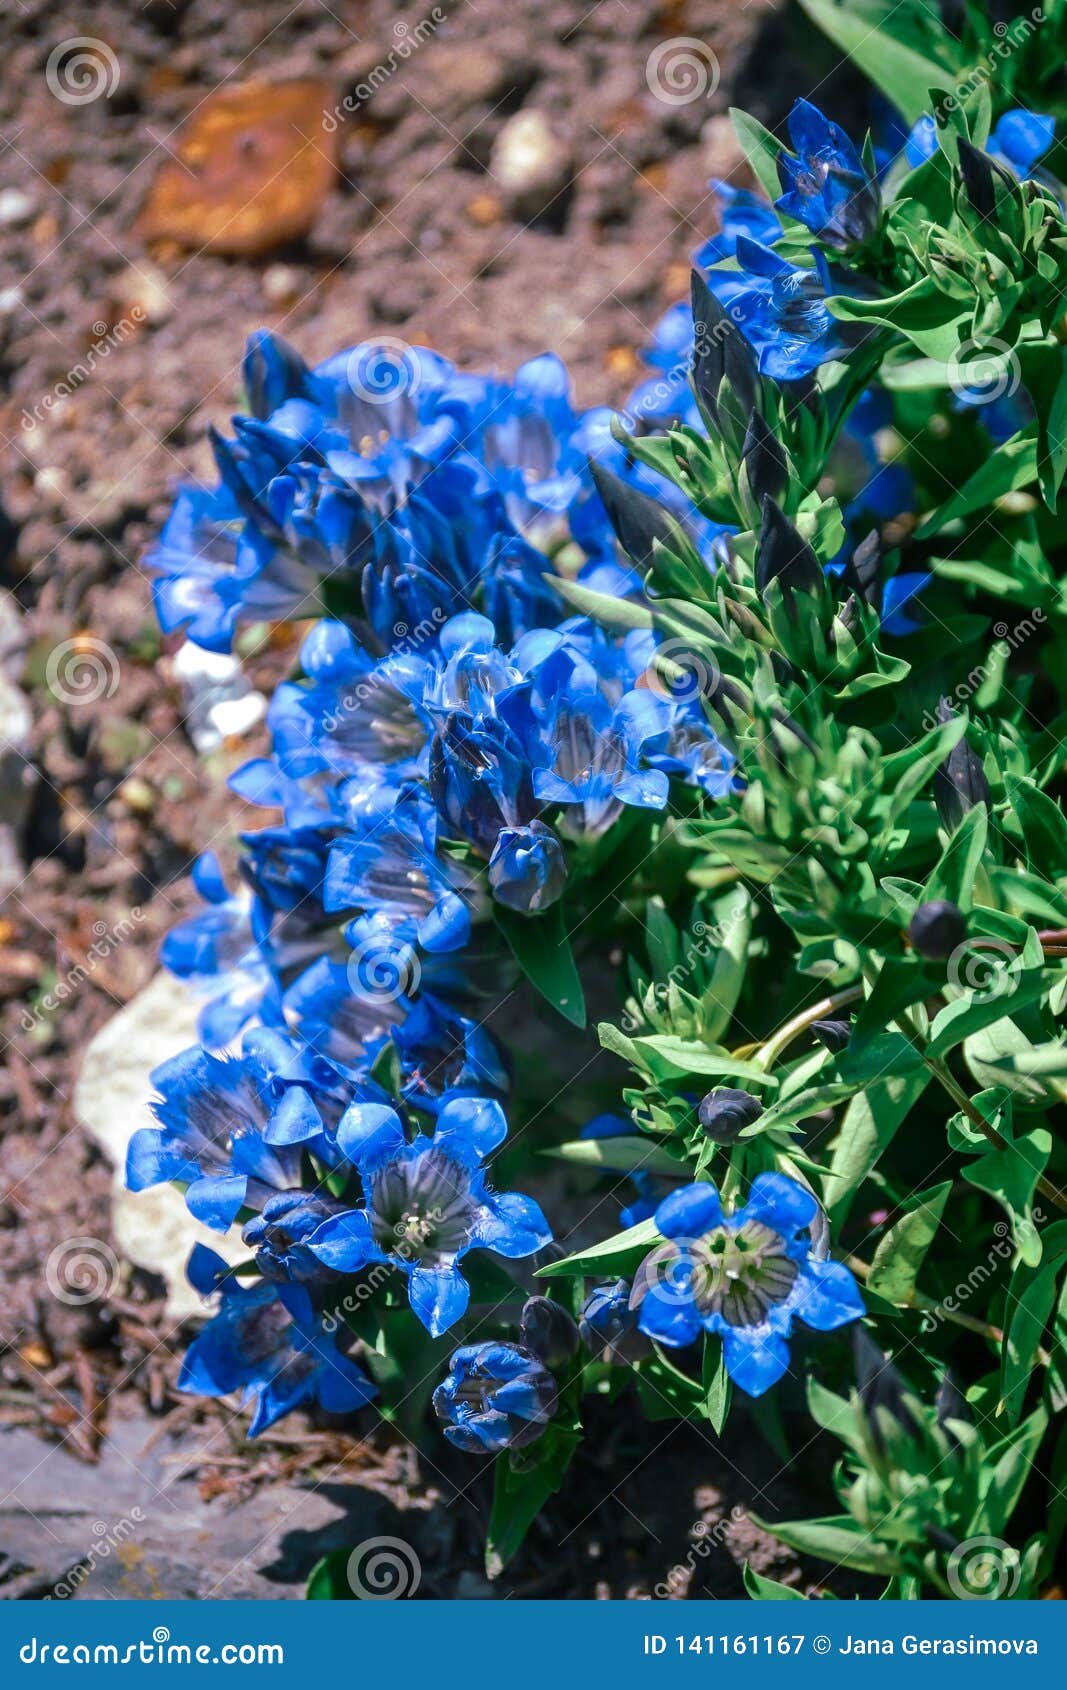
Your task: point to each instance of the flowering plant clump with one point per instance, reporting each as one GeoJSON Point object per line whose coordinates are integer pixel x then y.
{"type": "Point", "coordinates": [747, 706]}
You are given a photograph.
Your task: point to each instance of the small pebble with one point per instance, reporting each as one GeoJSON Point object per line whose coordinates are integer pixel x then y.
{"type": "Point", "coordinates": [16, 208]}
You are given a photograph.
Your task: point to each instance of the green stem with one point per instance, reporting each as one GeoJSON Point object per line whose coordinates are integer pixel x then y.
{"type": "Point", "coordinates": [769, 1052]}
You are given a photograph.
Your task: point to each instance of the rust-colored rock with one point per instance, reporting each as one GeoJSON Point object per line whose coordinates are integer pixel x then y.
{"type": "Point", "coordinates": [249, 172]}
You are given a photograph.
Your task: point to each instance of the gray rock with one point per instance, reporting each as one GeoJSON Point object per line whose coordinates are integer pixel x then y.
{"type": "Point", "coordinates": [135, 1524]}
{"type": "Point", "coordinates": [153, 1228]}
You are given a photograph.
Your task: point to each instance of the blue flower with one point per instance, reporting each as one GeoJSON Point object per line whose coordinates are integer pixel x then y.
{"type": "Point", "coordinates": [217, 952]}
{"type": "Point", "coordinates": [214, 1114]}
{"type": "Point", "coordinates": [827, 187]}
{"type": "Point", "coordinates": [746, 1277]}
{"type": "Point", "coordinates": [608, 1324]}
{"type": "Point", "coordinates": [345, 1026]}
{"type": "Point", "coordinates": [278, 1235]}
{"type": "Point", "coordinates": [426, 1204]}
{"type": "Point", "coordinates": [389, 861]}
{"type": "Point", "coordinates": [740, 213]}
{"type": "Point", "coordinates": [1018, 141]}
{"type": "Point", "coordinates": [441, 1051]}
{"type": "Point", "coordinates": [528, 868]}
{"type": "Point", "coordinates": [781, 310]}
{"type": "Point", "coordinates": [495, 1396]}
{"type": "Point", "coordinates": [354, 712]}
{"type": "Point", "coordinates": [589, 751]}
{"type": "Point", "coordinates": [267, 1344]}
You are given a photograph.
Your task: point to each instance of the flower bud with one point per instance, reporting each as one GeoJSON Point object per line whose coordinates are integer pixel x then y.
{"type": "Point", "coordinates": [724, 1114]}
{"type": "Point", "coordinates": [937, 928]}
{"type": "Point", "coordinates": [548, 1331]}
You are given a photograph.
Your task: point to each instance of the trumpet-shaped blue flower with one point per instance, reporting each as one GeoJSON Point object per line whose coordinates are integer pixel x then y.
{"type": "Point", "coordinates": [495, 1396]}
{"type": "Point", "coordinates": [443, 1051]}
{"type": "Point", "coordinates": [427, 1202]}
{"type": "Point", "coordinates": [214, 1113]}
{"type": "Point", "coordinates": [747, 1277]}
{"type": "Point", "coordinates": [781, 310]}
{"type": "Point", "coordinates": [267, 1344]}
{"type": "Point", "coordinates": [389, 861]}
{"type": "Point", "coordinates": [826, 185]}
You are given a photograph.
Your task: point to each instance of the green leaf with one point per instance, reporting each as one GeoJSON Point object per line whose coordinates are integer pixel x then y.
{"type": "Point", "coordinates": [1030, 1298]}
{"type": "Point", "coordinates": [868, 1128]}
{"type": "Point", "coordinates": [716, 1383]}
{"type": "Point", "coordinates": [1010, 1174]}
{"type": "Point", "coordinates": [678, 1057]}
{"type": "Point", "coordinates": [523, 1484]}
{"type": "Point", "coordinates": [1009, 991]}
{"type": "Point", "coordinates": [761, 150]}
{"type": "Point", "coordinates": [891, 42]}
{"type": "Point", "coordinates": [900, 983]}
{"type": "Point", "coordinates": [902, 1251]}
{"type": "Point", "coordinates": [602, 607]}
{"type": "Point", "coordinates": [328, 1580]}
{"type": "Point", "coordinates": [1043, 826]}
{"type": "Point", "coordinates": [953, 878]}
{"type": "Point", "coordinates": [541, 946]}
{"type": "Point", "coordinates": [769, 1590]}
{"type": "Point", "coordinates": [839, 1539]}
{"type": "Point", "coordinates": [1010, 467]}
{"type": "Point", "coordinates": [614, 1258]}
{"type": "Point", "coordinates": [621, 1155]}
{"type": "Point", "coordinates": [931, 320]}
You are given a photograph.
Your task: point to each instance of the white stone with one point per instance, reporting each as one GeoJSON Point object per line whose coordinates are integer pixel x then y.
{"type": "Point", "coordinates": [530, 162]}
{"type": "Point", "coordinates": [153, 1229]}
{"type": "Point", "coordinates": [219, 701]}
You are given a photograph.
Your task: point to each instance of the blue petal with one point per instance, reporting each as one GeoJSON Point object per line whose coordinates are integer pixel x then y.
{"type": "Point", "coordinates": [515, 1228]}
{"type": "Point", "coordinates": [344, 1242]}
{"type": "Point", "coordinates": [1022, 136]}
{"type": "Point", "coordinates": [470, 1127]}
{"type": "Point", "coordinates": [690, 1212]}
{"type": "Point", "coordinates": [370, 1134]}
{"type": "Point", "coordinates": [755, 1358]}
{"type": "Point", "coordinates": [780, 1202]}
{"type": "Point", "coordinates": [438, 1297]}
{"type": "Point", "coordinates": [827, 1296]}
{"type": "Point", "coordinates": [216, 1200]}
{"type": "Point", "coordinates": [667, 1318]}
{"type": "Point", "coordinates": [204, 1269]}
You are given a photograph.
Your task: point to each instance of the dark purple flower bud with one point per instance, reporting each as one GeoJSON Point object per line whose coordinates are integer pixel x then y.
{"type": "Point", "coordinates": [959, 782]}
{"type": "Point", "coordinates": [833, 1034]}
{"type": "Point", "coordinates": [725, 1113]}
{"type": "Point", "coordinates": [937, 928]}
{"type": "Point", "coordinates": [546, 1329]}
